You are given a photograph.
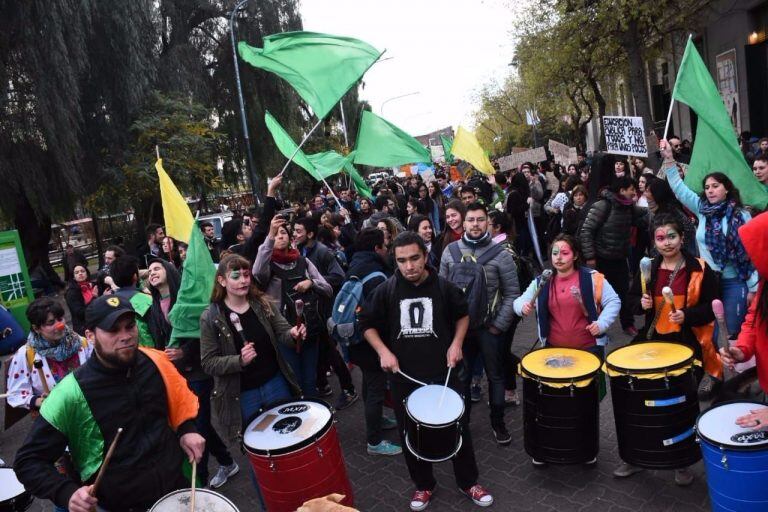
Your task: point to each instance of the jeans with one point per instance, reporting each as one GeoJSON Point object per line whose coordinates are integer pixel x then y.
{"type": "Point", "coordinates": [213, 443]}
{"type": "Point", "coordinates": [303, 364]}
{"type": "Point", "coordinates": [510, 360]}
{"type": "Point", "coordinates": [617, 273]}
{"type": "Point", "coordinates": [374, 389]}
{"type": "Point", "coordinates": [734, 294]}
{"type": "Point", "coordinates": [491, 346]}
{"type": "Point", "coordinates": [254, 399]}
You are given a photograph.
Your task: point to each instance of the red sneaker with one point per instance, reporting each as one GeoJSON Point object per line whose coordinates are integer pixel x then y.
{"type": "Point", "coordinates": [420, 500]}
{"type": "Point", "coordinates": [479, 495]}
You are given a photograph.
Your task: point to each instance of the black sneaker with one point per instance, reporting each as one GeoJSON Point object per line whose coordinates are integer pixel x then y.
{"type": "Point", "coordinates": [708, 387]}
{"type": "Point", "coordinates": [502, 435]}
{"type": "Point", "coordinates": [346, 399]}
{"type": "Point", "coordinates": [326, 391]}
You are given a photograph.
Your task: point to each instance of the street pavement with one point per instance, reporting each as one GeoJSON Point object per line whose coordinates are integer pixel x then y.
{"type": "Point", "coordinates": [382, 483]}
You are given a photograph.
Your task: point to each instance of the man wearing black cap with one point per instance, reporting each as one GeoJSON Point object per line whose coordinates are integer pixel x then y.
{"type": "Point", "coordinates": [122, 386]}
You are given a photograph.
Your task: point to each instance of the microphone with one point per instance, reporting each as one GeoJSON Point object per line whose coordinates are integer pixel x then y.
{"type": "Point", "coordinates": [645, 273]}
{"type": "Point", "coordinates": [576, 294]}
{"type": "Point", "coordinates": [669, 297]}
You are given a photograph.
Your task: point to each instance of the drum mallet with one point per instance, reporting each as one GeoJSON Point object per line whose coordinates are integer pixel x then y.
{"type": "Point", "coordinates": [41, 373]}
{"type": "Point", "coordinates": [719, 311]}
{"type": "Point", "coordinates": [545, 276]}
{"type": "Point", "coordinates": [104, 465]}
{"type": "Point", "coordinates": [235, 319]}
{"type": "Point", "coordinates": [669, 297]}
{"type": "Point", "coordinates": [192, 489]}
{"type": "Point", "coordinates": [645, 273]}
{"type": "Point", "coordinates": [445, 387]}
{"type": "Point", "coordinates": [299, 305]}
{"type": "Point", "coordinates": [576, 294]}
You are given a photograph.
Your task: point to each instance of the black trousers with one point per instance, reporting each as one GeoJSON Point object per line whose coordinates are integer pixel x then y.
{"type": "Point", "coordinates": [374, 390]}
{"type": "Point", "coordinates": [329, 356]}
{"type": "Point", "coordinates": [464, 463]}
{"type": "Point", "coordinates": [617, 273]}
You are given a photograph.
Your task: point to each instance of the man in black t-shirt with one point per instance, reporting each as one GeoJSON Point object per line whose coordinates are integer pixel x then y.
{"type": "Point", "coordinates": [416, 322]}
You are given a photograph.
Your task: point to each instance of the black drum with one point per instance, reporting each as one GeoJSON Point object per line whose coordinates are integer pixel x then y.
{"type": "Point", "coordinates": [433, 423]}
{"type": "Point", "coordinates": [561, 405]}
{"type": "Point", "coordinates": [655, 404]}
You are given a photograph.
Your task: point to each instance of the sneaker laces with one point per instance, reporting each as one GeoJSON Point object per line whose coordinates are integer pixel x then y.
{"type": "Point", "coordinates": [421, 496]}
{"type": "Point", "coordinates": [477, 492]}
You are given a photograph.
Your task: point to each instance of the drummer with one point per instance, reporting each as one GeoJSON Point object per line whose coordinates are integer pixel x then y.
{"type": "Point", "coordinates": [566, 318]}
{"type": "Point", "coordinates": [753, 338]}
{"type": "Point", "coordinates": [694, 286]}
{"type": "Point", "coordinates": [122, 386]}
{"type": "Point", "coordinates": [416, 322]}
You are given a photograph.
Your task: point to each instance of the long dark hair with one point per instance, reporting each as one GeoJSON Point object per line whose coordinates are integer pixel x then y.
{"type": "Point", "coordinates": [733, 192]}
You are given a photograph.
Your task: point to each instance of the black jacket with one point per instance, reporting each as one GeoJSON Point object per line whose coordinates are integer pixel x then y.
{"type": "Point", "coordinates": [76, 305]}
{"type": "Point", "coordinates": [362, 264]}
{"type": "Point", "coordinates": [606, 230]}
{"type": "Point", "coordinates": [147, 461]}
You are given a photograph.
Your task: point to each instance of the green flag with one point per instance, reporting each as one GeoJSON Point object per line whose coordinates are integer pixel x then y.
{"type": "Point", "coordinates": [287, 146]}
{"type": "Point", "coordinates": [447, 143]}
{"type": "Point", "coordinates": [195, 291]}
{"type": "Point", "coordinates": [382, 144]}
{"type": "Point", "coordinates": [360, 185]}
{"type": "Point", "coordinates": [715, 147]}
{"type": "Point", "coordinates": [329, 163]}
{"type": "Point", "coordinates": [321, 67]}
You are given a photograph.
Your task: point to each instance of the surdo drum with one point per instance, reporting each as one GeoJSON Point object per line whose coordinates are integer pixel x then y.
{"type": "Point", "coordinates": [294, 450]}
{"type": "Point", "coordinates": [13, 497]}
{"type": "Point", "coordinates": [561, 405]}
{"type": "Point", "coordinates": [205, 500]}
{"type": "Point", "coordinates": [432, 428]}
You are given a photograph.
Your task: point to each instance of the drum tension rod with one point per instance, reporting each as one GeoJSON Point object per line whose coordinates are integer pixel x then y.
{"type": "Point", "coordinates": [666, 378]}
{"type": "Point", "coordinates": [572, 389]}
{"type": "Point", "coordinates": [724, 459]}
{"type": "Point", "coordinates": [631, 382]}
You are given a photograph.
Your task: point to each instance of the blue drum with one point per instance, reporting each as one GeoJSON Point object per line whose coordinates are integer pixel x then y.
{"type": "Point", "coordinates": [736, 458]}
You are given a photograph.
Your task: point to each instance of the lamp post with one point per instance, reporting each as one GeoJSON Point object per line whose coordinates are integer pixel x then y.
{"type": "Point", "coordinates": [381, 109]}
{"type": "Point", "coordinates": [249, 154]}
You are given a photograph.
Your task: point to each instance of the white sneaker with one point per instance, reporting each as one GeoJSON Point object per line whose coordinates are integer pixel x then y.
{"type": "Point", "coordinates": [223, 474]}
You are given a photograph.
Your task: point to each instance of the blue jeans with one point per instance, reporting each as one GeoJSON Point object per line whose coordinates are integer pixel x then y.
{"type": "Point", "coordinates": [254, 399]}
{"type": "Point", "coordinates": [303, 364]}
{"type": "Point", "coordinates": [213, 443]}
{"type": "Point", "coordinates": [734, 295]}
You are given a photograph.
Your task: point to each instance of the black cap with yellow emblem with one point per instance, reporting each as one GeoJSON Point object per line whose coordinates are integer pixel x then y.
{"type": "Point", "coordinates": [104, 311]}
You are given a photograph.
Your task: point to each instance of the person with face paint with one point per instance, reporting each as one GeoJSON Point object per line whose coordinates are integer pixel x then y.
{"type": "Point", "coordinates": [120, 386]}
{"type": "Point", "coordinates": [720, 215]}
{"type": "Point", "coordinates": [694, 285]}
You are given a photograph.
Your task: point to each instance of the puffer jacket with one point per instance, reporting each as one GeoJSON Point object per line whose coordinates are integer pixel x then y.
{"type": "Point", "coordinates": [501, 279]}
{"type": "Point", "coordinates": [221, 359]}
{"type": "Point", "coordinates": [606, 230]}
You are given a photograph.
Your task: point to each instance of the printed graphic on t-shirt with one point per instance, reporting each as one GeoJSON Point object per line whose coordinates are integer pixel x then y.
{"type": "Point", "coordinates": [416, 317]}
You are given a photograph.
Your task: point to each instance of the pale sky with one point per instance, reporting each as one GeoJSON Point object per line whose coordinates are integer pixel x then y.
{"type": "Point", "coordinates": [444, 50]}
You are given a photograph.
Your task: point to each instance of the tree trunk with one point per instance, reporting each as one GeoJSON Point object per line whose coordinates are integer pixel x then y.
{"type": "Point", "coordinates": [601, 103]}
{"type": "Point", "coordinates": [35, 232]}
{"type": "Point", "coordinates": [631, 43]}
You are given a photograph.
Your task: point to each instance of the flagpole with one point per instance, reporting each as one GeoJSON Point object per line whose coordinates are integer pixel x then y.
{"type": "Point", "coordinates": [669, 117]}
{"type": "Point", "coordinates": [295, 152]}
{"type": "Point", "coordinates": [344, 126]}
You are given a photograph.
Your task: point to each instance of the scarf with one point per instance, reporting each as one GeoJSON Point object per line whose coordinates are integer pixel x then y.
{"type": "Point", "coordinates": [652, 206]}
{"type": "Point", "coordinates": [728, 248]}
{"type": "Point", "coordinates": [476, 242]}
{"type": "Point", "coordinates": [87, 292]}
{"type": "Point", "coordinates": [285, 256]}
{"type": "Point", "coordinates": [68, 345]}
{"type": "Point", "coordinates": [623, 200]}
{"type": "Point", "coordinates": [455, 235]}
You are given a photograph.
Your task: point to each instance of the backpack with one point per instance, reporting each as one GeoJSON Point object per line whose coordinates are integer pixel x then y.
{"type": "Point", "coordinates": [312, 301]}
{"type": "Point", "coordinates": [342, 324]}
{"type": "Point", "coordinates": [526, 269]}
{"type": "Point", "coordinates": [468, 273]}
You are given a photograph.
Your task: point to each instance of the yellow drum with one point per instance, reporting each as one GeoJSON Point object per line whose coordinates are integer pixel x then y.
{"type": "Point", "coordinates": [655, 404]}
{"type": "Point", "coordinates": [561, 405]}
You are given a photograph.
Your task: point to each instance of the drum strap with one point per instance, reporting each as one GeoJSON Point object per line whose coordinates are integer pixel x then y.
{"type": "Point", "coordinates": [672, 277]}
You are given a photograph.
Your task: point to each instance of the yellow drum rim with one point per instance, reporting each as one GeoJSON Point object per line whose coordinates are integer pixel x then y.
{"type": "Point", "coordinates": [583, 365]}
{"type": "Point", "coordinates": [649, 357]}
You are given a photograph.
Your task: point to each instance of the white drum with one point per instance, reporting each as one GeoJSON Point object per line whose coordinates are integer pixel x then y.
{"type": "Point", "coordinates": [13, 497]}
{"type": "Point", "coordinates": [287, 427]}
{"type": "Point", "coordinates": [205, 500]}
{"type": "Point", "coordinates": [432, 427]}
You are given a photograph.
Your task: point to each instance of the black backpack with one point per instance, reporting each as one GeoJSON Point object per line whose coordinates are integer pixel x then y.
{"type": "Point", "coordinates": [468, 273]}
{"type": "Point", "coordinates": [289, 278]}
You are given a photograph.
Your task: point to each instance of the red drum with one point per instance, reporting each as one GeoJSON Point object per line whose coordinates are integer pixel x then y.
{"type": "Point", "coordinates": [295, 453]}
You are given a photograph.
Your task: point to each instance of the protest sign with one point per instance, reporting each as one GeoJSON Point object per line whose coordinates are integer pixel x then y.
{"type": "Point", "coordinates": [625, 136]}
{"type": "Point", "coordinates": [514, 160]}
{"type": "Point", "coordinates": [562, 154]}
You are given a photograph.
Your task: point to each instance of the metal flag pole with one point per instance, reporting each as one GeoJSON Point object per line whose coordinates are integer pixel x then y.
{"type": "Point", "coordinates": [249, 154]}
{"type": "Point", "coordinates": [296, 151]}
{"type": "Point", "coordinates": [346, 140]}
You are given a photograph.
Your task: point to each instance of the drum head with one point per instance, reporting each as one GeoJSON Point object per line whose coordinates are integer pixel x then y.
{"type": "Point", "coordinates": [424, 405]}
{"type": "Point", "coordinates": [10, 487]}
{"type": "Point", "coordinates": [651, 357]}
{"type": "Point", "coordinates": [287, 426]}
{"type": "Point", "coordinates": [560, 364]}
{"type": "Point", "coordinates": [718, 426]}
{"type": "Point", "coordinates": [204, 500]}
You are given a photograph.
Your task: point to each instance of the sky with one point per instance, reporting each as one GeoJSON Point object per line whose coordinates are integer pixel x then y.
{"type": "Point", "coordinates": [445, 51]}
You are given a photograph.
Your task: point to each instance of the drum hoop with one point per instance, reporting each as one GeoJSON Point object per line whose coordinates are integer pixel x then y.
{"type": "Point", "coordinates": [434, 425]}
{"type": "Point", "coordinates": [309, 441]}
{"type": "Point", "coordinates": [559, 380]}
{"type": "Point", "coordinates": [413, 452]}
{"type": "Point", "coordinates": [723, 446]}
{"type": "Point", "coordinates": [206, 491]}
{"type": "Point", "coordinates": [659, 369]}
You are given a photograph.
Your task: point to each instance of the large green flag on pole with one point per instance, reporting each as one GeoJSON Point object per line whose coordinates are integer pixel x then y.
{"type": "Point", "coordinates": [321, 67]}
{"type": "Point", "coordinates": [715, 147]}
{"type": "Point", "coordinates": [381, 143]}
{"type": "Point", "coordinates": [360, 185]}
{"type": "Point", "coordinates": [447, 143]}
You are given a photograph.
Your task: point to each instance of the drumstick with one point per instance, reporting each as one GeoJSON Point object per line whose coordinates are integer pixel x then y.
{"type": "Point", "coordinates": [669, 297]}
{"type": "Point", "coordinates": [645, 273]}
{"type": "Point", "coordinates": [104, 465]}
{"type": "Point", "coordinates": [411, 378]}
{"type": "Point", "coordinates": [4, 395]}
{"type": "Point", "coordinates": [194, 478]}
{"type": "Point", "coordinates": [445, 387]}
{"type": "Point", "coordinates": [299, 304]}
{"type": "Point", "coordinates": [545, 276]}
{"type": "Point", "coordinates": [576, 294]}
{"type": "Point", "coordinates": [235, 319]}
{"type": "Point", "coordinates": [41, 373]}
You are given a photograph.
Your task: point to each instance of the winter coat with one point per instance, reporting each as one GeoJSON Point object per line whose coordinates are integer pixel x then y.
{"type": "Point", "coordinates": [606, 230]}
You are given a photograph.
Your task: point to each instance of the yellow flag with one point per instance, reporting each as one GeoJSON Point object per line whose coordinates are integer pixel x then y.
{"type": "Point", "coordinates": [178, 217]}
{"type": "Point", "coordinates": [466, 147]}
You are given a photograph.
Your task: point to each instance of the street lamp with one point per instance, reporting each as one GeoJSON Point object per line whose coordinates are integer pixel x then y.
{"type": "Point", "coordinates": [381, 109]}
